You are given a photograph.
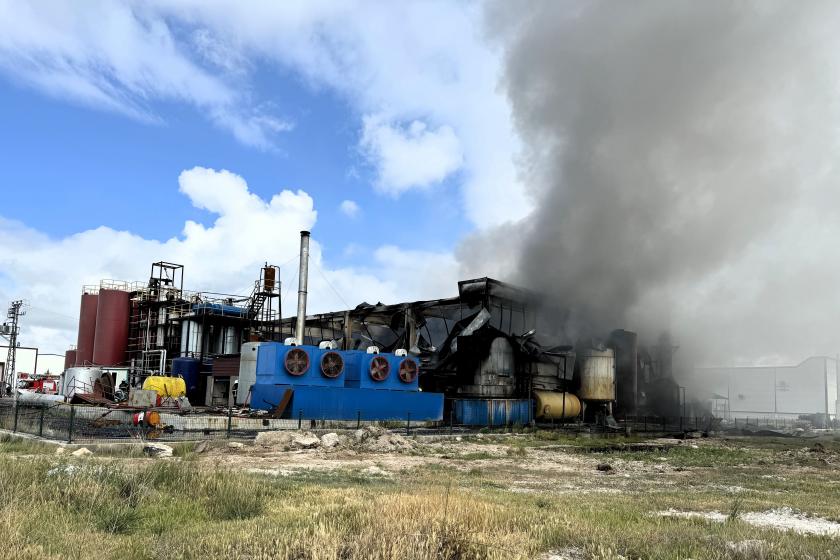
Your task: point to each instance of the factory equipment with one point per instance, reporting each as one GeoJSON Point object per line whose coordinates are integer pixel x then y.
{"type": "Point", "coordinates": [111, 331]}
{"type": "Point", "coordinates": [321, 382]}
{"type": "Point", "coordinates": [247, 371]}
{"type": "Point", "coordinates": [87, 329]}
{"type": "Point", "coordinates": [80, 380]}
{"type": "Point", "coordinates": [597, 375]}
{"type": "Point", "coordinates": [556, 406]}
{"type": "Point", "coordinates": [189, 370]}
{"type": "Point", "coordinates": [171, 387]}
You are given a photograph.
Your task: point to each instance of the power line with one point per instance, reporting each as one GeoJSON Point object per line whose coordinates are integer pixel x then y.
{"type": "Point", "coordinates": [327, 280]}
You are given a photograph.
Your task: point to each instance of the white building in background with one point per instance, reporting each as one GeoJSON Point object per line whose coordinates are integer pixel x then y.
{"type": "Point", "coordinates": [29, 360]}
{"type": "Point", "coordinates": [773, 392]}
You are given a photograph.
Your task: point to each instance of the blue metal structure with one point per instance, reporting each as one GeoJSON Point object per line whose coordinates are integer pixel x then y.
{"type": "Point", "coordinates": [275, 366]}
{"type": "Point", "coordinates": [368, 371]}
{"type": "Point", "coordinates": [219, 309]}
{"type": "Point", "coordinates": [368, 386]}
{"type": "Point", "coordinates": [341, 403]}
{"type": "Point", "coordinates": [492, 412]}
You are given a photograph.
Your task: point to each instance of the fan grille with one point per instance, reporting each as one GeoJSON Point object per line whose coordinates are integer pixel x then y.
{"type": "Point", "coordinates": [332, 364]}
{"type": "Point", "coordinates": [408, 371]}
{"type": "Point", "coordinates": [379, 368]}
{"type": "Point", "coordinates": [297, 361]}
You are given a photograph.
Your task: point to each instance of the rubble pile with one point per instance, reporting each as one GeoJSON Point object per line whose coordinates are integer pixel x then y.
{"type": "Point", "coordinates": [369, 439]}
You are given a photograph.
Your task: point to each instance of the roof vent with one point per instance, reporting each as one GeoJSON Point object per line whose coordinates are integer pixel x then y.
{"type": "Point", "coordinates": [373, 349]}
{"type": "Point", "coordinates": [327, 345]}
{"type": "Point", "coordinates": [291, 341]}
{"type": "Point", "coordinates": [401, 352]}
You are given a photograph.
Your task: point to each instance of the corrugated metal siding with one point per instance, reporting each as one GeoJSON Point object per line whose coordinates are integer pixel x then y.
{"type": "Point", "coordinates": [226, 366]}
{"type": "Point", "coordinates": [492, 412]}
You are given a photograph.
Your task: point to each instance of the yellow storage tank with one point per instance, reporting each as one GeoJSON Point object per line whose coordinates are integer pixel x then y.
{"type": "Point", "coordinates": [556, 406]}
{"type": "Point", "coordinates": [166, 386]}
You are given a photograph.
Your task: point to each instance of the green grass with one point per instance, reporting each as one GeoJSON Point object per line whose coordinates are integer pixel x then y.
{"type": "Point", "coordinates": [120, 507]}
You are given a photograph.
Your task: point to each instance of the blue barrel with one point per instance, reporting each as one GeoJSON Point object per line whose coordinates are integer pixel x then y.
{"type": "Point", "coordinates": [188, 368]}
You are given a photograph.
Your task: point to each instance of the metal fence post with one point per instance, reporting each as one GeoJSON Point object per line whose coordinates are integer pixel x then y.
{"type": "Point", "coordinates": [41, 423]}
{"type": "Point", "coordinates": [230, 421]}
{"type": "Point", "coordinates": [300, 419]}
{"type": "Point", "coordinates": [14, 426]}
{"type": "Point", "coordinates": [408, 424]}
{"type": "Point", "coordinates": [681, 423]}
{"type": "Point", "coordinates": [358, 419]}
{"type": "Point", "coordinates": [72, 420]}
{"type": "Point", "coordinates": [645, 421]}
{"type": "Point", "coordinates": [451, 420]}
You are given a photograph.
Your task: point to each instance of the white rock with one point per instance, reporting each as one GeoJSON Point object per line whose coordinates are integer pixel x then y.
{"type": "Point", "coordinates": [60, 450]}
{"type": "Point", "coordinates": [328, 441]}
{"type": "Point", "coordinates": [235, 445]}
{"type": "Point", "coordinates": [274, 439]}
{"type": "Point", "coordinates": [306, 440]}
{"type": "Point", "coordinates": [82, 452]}
{"type": "Point", "coordinates": [158, 450]}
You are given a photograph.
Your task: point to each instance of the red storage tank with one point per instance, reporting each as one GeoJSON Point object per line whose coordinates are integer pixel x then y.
{"type": "Point", "coordinates": [69, 359]}
{"type": "Point", "coordinates": [111, 339]}
{"type": "Point", "coordinates": [87, 329]}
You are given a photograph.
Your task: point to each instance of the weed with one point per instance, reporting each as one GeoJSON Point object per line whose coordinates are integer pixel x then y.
{"type": "Point", "coordinates": [233, 497]}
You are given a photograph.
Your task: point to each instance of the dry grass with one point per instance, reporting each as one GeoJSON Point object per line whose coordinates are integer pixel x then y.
{"type": "Point", "coordinates": [119, 507]}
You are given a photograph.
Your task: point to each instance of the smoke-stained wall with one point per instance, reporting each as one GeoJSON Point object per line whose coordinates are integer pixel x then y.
{"type": "Point", "coordinates": [682, 159]}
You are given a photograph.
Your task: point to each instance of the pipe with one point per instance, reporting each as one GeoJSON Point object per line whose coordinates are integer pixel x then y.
{"type": "Point", "coordinates": [303, 278]}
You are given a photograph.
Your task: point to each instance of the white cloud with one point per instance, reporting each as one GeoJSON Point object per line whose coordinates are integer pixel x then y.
{"type": "Point", "coordinates": [411, 156]}
{"type": "Point", "coordinates": [224, 256]}
{"type": "Point", "coordinates": [400, 61]}
{"type": "Point", "coordinates": [349, 208]}
{"type": "Point", "coordinates": [124, 57]}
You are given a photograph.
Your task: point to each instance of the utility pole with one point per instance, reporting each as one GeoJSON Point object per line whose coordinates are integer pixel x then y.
{"type": "Point", "coordinates": [11, 330]}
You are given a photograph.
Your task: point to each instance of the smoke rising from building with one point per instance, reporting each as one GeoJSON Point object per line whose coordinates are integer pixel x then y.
{"type": "Point", "coordinates": [682, 158]}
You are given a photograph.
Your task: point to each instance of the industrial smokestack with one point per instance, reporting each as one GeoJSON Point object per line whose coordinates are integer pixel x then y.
{"type": "Point", "coordinates": [303, 278]}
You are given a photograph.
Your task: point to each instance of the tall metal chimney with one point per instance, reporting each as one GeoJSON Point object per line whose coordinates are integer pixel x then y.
{"type": "Point", "coordinates": [303, 279]}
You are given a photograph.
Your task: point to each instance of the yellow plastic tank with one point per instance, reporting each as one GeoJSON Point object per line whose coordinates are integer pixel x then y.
{"type": "Point", "coordinates": [556, 406]}
{"type": "Point", "coordinates": [166, 386]}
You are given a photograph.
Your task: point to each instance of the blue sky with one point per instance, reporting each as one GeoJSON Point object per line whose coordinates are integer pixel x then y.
{"type": "Point", "coordinates": [209, 134]}
{"type": "Point", "coordinates": [71, 167]}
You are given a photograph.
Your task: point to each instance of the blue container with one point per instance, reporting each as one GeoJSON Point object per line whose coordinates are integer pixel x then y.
{"type": "Point", "coordinates": [368, 371]}
{"type": "Point", "coordinates": [492, 412]}
{"type": "Point", "coordinates": [340, 403]}
{"type": "Point", "coordinates": [188, 368]}
{"type": "Point", "coordinates": [219, 309]}
{"type": "Point", "coordinates": [305, 367]}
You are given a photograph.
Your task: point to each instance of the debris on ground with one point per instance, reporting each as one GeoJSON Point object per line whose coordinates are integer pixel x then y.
{"type": "Point", "coordinates": [604, 467]}
{"type": "Point", "coordinates": [202, 446]}
{"type": "Point", "coordinates": [750, 547]}
{"type": "Point", "coordinates": [82, 452]}
{"type": "Point", "coordinates": [570, 553]}
{"type": "Point", "coordinates": [235, 445]}
{"type": "Point", "coordinates": [782, 519]}
{"type": "Point", "coordinates": [330, 440]}
{"type": "Point", "coordinates": [371, 438]}
{"type": "Point", "coordinates": [157, 450]}
{"type": "Point", "coordinates": [373, 470]}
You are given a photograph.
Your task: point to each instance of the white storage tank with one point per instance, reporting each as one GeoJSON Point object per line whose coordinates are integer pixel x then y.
{"type": "Point", "coordinates": [247, 371]}
{"type": "Point", "coordinates": [190, 338]}
{"type": "Point", "coordinates": [80, 380]}
{"type": "Point", "coordinates": [597, 375]}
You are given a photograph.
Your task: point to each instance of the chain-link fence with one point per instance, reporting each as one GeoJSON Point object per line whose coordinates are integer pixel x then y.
{"type": "Point", "coordinates": [83, 423]}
